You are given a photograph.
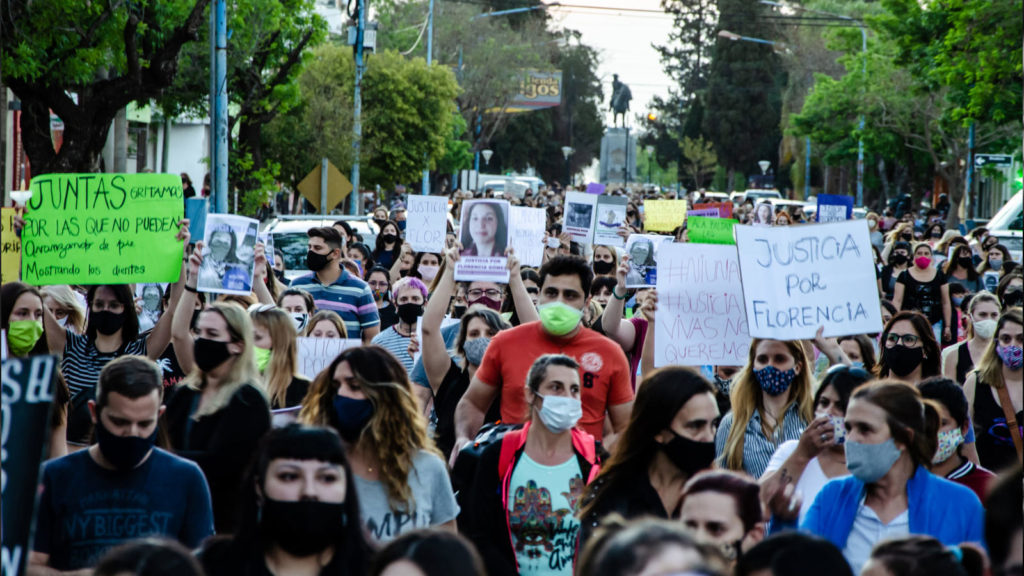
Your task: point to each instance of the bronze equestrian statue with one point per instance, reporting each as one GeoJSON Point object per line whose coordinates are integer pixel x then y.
{"type": "Point", "coordinates": [620, 100]}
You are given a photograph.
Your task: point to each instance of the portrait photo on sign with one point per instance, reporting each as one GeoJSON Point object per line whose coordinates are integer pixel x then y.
{"type": "Point", "coordinates": [229, 246]}
{"type": "Point", "coordinates": [484, 230]}
{"type": "Point", "coordinates": [643, 265]}
{"type": "Point", "coordinates": [148, 299]}
{"type": "Point", "coordinates": [579, 215]}
{"type": "Point", "coordinates": [764, 214]}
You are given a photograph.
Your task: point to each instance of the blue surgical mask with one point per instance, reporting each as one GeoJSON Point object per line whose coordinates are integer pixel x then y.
{"type": "Point", "coordinates": [773, 381]}
{"type": "Point", "coordinates": [857, 364]}
{"type": "Point", "coordinates": [870, 462]}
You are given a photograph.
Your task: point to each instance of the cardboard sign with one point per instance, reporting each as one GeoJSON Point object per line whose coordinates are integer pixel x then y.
{"type": "Point", "coordinates": [196, 210]}
{"type": "Point", "coordinates": [705, 212]}
{"type": "Point", "coordinates": [834, 208]}
{"type": "Point", "coordinates": [611, 216]}
{"type": "Point", "coordinates": [579, 216]}
{"type": "Point", "coordinates": [664, 215]}
{"type": "Point", "coordinates": [427, 223]}
{"type": "Point", "coordinates": [102, 229]}
{"type": "Point", "coordinates": [701, 319]}
{"type": "Point", "coordinates": [702, 230]}
{"type": "Point", "coordinates": [229, 252]}
{"type": "Point", "coordinates": [526, 236]}
{"type": "Point", "coordinates": [724, 208]}
{"type": "Point", "coordinates": [484, 235]}
{"type": "Point", "coordinates": [797, 278]}
{"type": "Point", "coordinates": [643, 259]}
{"type": "Point", "coordinates": [595, 188]}
{"type": "Point", "coordinates": [10, 259]}
{"type": "Point", "coordinates": [315, 354]}
{"type": "Point", "coordinates": [27, 398]}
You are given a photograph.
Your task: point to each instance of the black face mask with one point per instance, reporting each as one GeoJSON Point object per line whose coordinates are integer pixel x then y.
{"type": "Point", "coordinates": [898, 259]}
{"type": "Point", "coordinates": [279, 274]}
{"type": "Point", "coordinates": [936, 234]}
{"type": "Point", "coordinates": [408, 313]}
{"type": "Point", "coordinates": [304, 527]}
{"type": "Point", "coordinates": [688, 455]}
{"type": "Point", "coordinates": [124, 452]}
{"type": "Point", "coordinates": [602, 267]}
{"type": "Point", "coordinates": [107, 322]}
{"type": "Point", "coordinates": [965, 261]}
{"type": "Point", "coordinates": [389, 238]}
{"type": "Point", "coordinates": [209, 354]}
{"type": "Point", "coordinates": [458, 311]}
{"type": "Point", "coordinates": [1013, 298]}
{"type": "Point", "coordinates": [902, 360]}
{"type": "Point", "coordinates": [316, 262]}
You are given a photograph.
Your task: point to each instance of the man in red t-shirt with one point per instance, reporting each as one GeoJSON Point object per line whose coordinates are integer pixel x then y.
{"type": "Point", "coordinates": [604, 372]}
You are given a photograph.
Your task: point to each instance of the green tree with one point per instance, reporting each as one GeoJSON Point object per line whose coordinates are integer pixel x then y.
{"type": "Point", "coordinates": [699, 159]}
{"type": "Point", "coordinates": [85, 61]}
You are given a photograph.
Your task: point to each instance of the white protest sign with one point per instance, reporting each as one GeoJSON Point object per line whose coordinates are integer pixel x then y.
{"type": "Point", "coordinates": [797, 278]}
{"type": "Point", "coordinates": [526, 235]}
{"type": "Point", "coordinates": [484, 235]}
{"type": "Point", "coordinates": [611, 215]}
{"type": "Point", "coordinates": [315, 354]}
{"type": "Point", "coordinates": [580, 212]}
{"type": "Point", "coordinates": [427, 223]}
{"type": "Point", "coordinates": [701, 319]}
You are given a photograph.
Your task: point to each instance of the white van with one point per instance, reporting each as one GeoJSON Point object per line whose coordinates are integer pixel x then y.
{"type": "Point", "coordinates": [1007, 223]}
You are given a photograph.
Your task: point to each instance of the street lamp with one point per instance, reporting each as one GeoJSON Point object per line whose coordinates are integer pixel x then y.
{"type": "Point", "coordinates": [650, 156]}
{"type": "Point", "coordinates": [487, 156]}
{"type": "Point", "coordinates": [566, 152]}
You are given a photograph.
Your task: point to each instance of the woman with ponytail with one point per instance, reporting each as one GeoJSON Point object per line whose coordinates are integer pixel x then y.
{"type": "Point", "coordinates": [924, 556]}
{"type": "Point", "coordinates": [891, 439]}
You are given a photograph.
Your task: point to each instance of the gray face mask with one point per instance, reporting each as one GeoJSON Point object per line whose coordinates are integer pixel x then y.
{"type": "Point", "coordinates": [475, 349]}
{"type": "Point", "coordinates": [870, 462]}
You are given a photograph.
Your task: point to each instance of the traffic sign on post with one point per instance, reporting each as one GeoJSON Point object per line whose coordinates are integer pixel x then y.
{"type": "Point", "coordinates": [993, 159]}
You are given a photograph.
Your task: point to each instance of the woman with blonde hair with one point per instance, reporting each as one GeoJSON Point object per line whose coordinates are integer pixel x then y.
{"type": "Point", "coordinates": [902, 232]}
{"type": "Point", "coordinates": [367, 397]}
{"type": "Point", "coordinates": [66, 307]}
{"type": "Point", "coordinates": [772, 402]}
{"type": "Point", "coordinates": [277, 356]}
{"type": "Point", "coordinates": [218, 413]}
{"type": "Point", "coordinates": [326, 324]}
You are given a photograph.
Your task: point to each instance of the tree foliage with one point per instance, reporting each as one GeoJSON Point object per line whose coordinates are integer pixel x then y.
{"type": "Point", "coordinates": [85, 61]}
{"type": "Point", "coordinates": [700, 159]}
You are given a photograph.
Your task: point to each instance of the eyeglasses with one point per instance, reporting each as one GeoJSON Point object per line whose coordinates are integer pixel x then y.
{"type": "Point", "coordinates": [477, 293]}
{"type": "Point", "coordinates": [909, 340]}
{"type": "Point", "coordinates": [1009, 339]}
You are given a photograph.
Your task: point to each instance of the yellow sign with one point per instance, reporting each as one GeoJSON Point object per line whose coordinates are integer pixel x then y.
{"type": "Point", "coordinates": [338, 187]}
{"type": "Point", "coordinates": [11, 244]}
{"type": "Point", "coordinates": [664, 215]}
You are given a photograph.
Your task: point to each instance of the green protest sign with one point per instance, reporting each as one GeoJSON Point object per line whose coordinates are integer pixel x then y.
{"type": "Point", "coordinates": [705, 230]}
{"type": "Point", "coordinates": [102, 229]}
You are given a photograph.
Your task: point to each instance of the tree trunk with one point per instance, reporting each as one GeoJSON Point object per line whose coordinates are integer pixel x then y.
{"type": "Point", "coordinates": [884, 177]}
{"type": "Point", "coordinates": [121, 141]}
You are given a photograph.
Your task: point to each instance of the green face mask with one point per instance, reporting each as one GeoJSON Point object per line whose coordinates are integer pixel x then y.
{"type": "Point", "coordinates": [558, 318]}
{"type": "Point", "coordinates": [262, 357]}
{"type": "Point", "coordinates": [22, 336]}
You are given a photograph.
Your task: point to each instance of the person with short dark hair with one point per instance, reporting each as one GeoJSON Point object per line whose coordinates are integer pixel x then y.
{"type": "Point", "coordinates": [604, 372]}
{"type": "Point", "coordinates": [647, 546]}
{"type": "Point", "coordinates": [793, 554]}
{"type": "Point", "coordinates": [149, 557]}
{"type": "Point", "coordinates": [334, 288]}
{"type": "Point", "coordinates": [430, 553]}
{"type": "Point", "coordinates": [924, 556]}
{"type": "Point", "coordinates": [723, 508]}
{"type": "Point", "coordinates": [950, 461]}
{"type": "Point", "coordinates": [122, 487]}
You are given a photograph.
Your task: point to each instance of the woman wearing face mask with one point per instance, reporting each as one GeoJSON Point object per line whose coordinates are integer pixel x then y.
{"type": "Point", "coordinates": [66, 307]}
{"type": "Point", "coordinates": [389, 246]}
{"type": "Point", "coordinates": [361, 254]}
{"type": "Point", "coordinates": [217, 414]}
{"type": "Point", "coordinates": [277, 357]}
{"type": "Point", "coordinates": [923, 288]}
{"type": "Point", "coordinates": [994, 392]}
{"type": "Point", "coordinates": [379, 280]}
{"type": "Point", "coordinates": [447, 377]}
{"type": "Point", "coordinates": [410, 294]}
{"type": "Point", "coordinates": [772, 402]}
{"type": "Point", "coordinates": [326, 324]}
{"type": "Point", "coordinates": [425, 266]}
{"type": "Point", "coordinates": [606, 260]}
{"type": "Point", "coordinates": [983, 311]}
{"type": "Point", "coordinates": [723, 509]}
{"type": "Point", "coordinates": [1011, 290]}
{"type": "Point", "coordinates": [298, 304]}
{"type": "Point", "coordinates": [909, 350]}
{"type": "Point", "coordinates": [547, 456]}
{"type": "Point", "coordinates": [401, 479]}
{"type": "Point", "coordinates": [875, 231]}
{"type": "Point", "coordinates": [860, 350]}
{"type": "Point", "coordinates": [890, 442]}
{"type": "Point", "coordinates": [510, 305]}
{"type": "Point", "coordinates": [902, 232]}
{"type": "Point", "coordinates": [670, 437]}
{"type": "Point", "coordinates": [818, 456]}
{"type": "Point", "coordinates": [899, 261]}
{"type": "Point", "coordinates": [299, 512]}
{"type": "Point", "coordinates": [933, 234]}
{"type": "Point", "coordinates": [960, 269]}
{"type": "Point", "coordinates": [950, 462]}
{"type": "Point", "coordinates": [991, 269]}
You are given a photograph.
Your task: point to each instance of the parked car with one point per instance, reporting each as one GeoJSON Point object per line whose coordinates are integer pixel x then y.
{"type": "Point", "coordinates": [1007, 223]}
{"type": "Point", "coordinates": [289, 233]}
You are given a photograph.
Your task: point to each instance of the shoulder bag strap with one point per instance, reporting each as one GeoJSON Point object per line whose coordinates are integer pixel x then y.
{"type": "Point", "coordinates": [1011, 421]}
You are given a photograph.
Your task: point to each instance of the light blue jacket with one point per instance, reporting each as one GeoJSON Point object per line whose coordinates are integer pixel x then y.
{"type": "Point", "coordinates": [939, 508]}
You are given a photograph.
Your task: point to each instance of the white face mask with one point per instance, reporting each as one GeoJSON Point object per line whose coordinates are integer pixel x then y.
{"type": "Point", "coordinates": [560, 413]}
{"type": "Point", "coordinates": [62, 321]}
{"type": "Point", "coordinates": [300, 321]}
{"type": "Point", "coordinates": [985, 329]}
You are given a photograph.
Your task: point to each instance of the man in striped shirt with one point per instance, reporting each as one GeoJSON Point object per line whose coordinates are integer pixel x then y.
{"type": "Point", "coordinates": [333, 288]}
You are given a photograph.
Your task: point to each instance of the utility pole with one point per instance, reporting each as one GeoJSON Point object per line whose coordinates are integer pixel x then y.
{"type": "Point", "coordinates": [430, 60]}
{"type": "Point", "coordinates": [219, 124]}
{"type": "Point", "coordinates": [356, 203]}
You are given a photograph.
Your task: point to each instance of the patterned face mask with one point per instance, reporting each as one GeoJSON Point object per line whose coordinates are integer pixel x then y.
{"type": "Point", "coordinates": [773, 381]}
{"type": "Point", "coordinates": [1012, 356]}
{"type": "Point", "coordinates": [949, 441]}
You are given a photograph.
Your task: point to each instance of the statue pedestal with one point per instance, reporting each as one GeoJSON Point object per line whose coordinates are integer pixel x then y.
{"type": "Point", "coordinates": [618, 156]}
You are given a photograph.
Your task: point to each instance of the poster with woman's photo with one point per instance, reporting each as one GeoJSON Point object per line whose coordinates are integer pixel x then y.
{"type": "Point", "coordinates": [643, 264]}
{"type": "Point", "coordinates": [764, 214]}
{"type": "Point", "coordinates": [148, 297]}
{"type": "Point", "coordinates": [484, 236]}
{"type": "Point", "coordinates": [579, 216]}
{"type": "Point", "coordinates": [229, 247]}
{"type": "Point", "coordinates": [611, 215]}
